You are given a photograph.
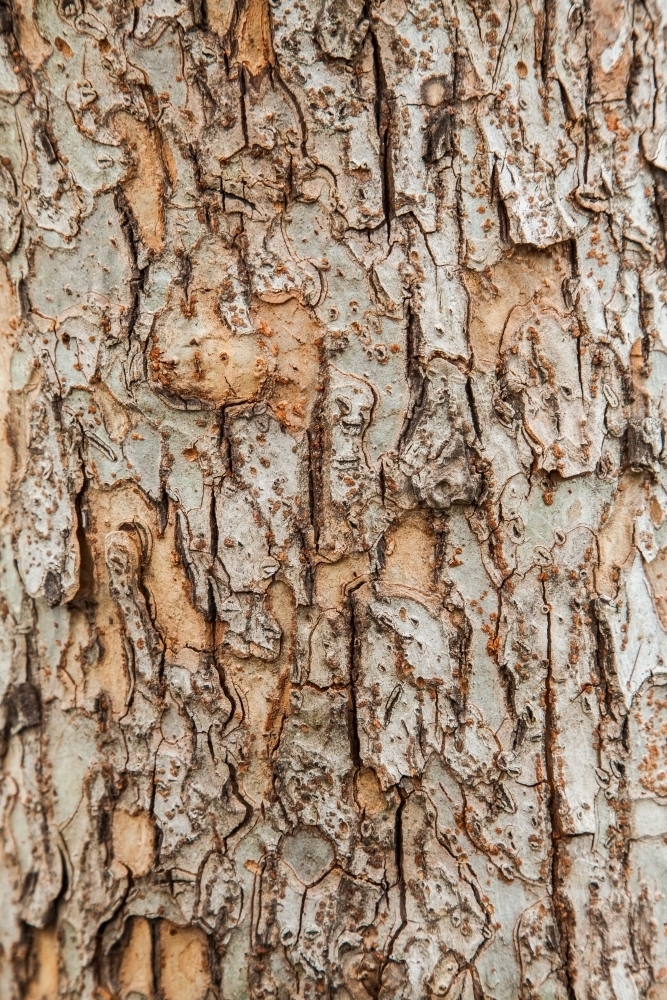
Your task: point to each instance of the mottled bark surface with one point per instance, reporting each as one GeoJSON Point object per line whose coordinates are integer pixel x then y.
{"type": "Point", "coordinates": [333, 572]}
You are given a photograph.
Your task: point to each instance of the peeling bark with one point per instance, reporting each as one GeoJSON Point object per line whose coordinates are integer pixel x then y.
{"type": "Point", "coordinates": [333, 573]}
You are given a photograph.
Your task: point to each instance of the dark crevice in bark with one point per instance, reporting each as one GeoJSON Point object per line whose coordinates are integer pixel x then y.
{"type": "Point", "coordinates": [232, 696]}
{"type": "Point", "coordinates": [604, 661]}
{"type": "Point", "coordinates": [243, 88]}
{"type": "Point", "coordinates": [562, 909]}
{"type": "Point", "coordinates": [86, 591]}
{"type": "Point", "coordinates": [506, 676]}
{"type": "Point", "coordinates": [214, 532]}
{"type": "Point", "coordinates": [139, 274]}
{"type": "Point", "coordinates": [161, 506]}
{"type": "Point", "coordinates": [156, 964]}
{"type": "Point", "coordinates": [585, 21]}
{"type": "Point", "coordinates": [660, 198]}
{"type": "Point", "coordinates": [185, 274]}
{"type": "Point", "coordinates": [400, 879]}
{"type": "Point", "coordinates": [276, 75]}
{"type": "Point", "coordinates": [6, 17]}
{"type": "Point", "coordinates": [414, 376]}
{"type": "Point", "coordinates": [501, 208]}
{"type": "Point", "coordinates": [383, 122]}
{"type": "Point", "coordinates": [200, 14]}
{"type": "Point", "coordinates": [546, 55]}
{"type": "Point", "coordinates": [248, 809]}
{"type": "Point", "coordinates": [645, 313]}
{"type": "Point", "coordinates": [470, 395]}
{"type": "Point", "coordinates": [353, 726]}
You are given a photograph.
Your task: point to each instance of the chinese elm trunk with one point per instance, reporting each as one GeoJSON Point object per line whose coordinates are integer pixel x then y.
{"type": "Point", "coordinates": [333, 569]}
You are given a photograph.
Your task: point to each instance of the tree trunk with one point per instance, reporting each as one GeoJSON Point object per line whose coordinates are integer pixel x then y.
{"type": "Point", "coordinates": [334, 555]}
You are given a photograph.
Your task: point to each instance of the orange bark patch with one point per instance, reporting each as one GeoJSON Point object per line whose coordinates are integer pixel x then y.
{"type": "Point", "coordinates": [32, 45]}
{"type": "Point", "coordinates": [615, 540]}
{"type": "Point", "coordinates": [195, 354]}
{"type": "Point", "coordinates": [184, 968]}
{"type": "Point", "coordinates": [219, 14]}
{"type": "Point", "coordinates": [410, 553]}
{"type": "Point", "coordinates": [133, 841]}
{"type": "Point", "coordinates": [331, 579]}
{"type": "Point", "coordinates": [255, 49]}
{"type": "Point", "coordinates": [177, 620]}
{"type": "Point", "coordinates": [144, 188]}
{"type": "Point", "coordinates": [656, 574]}
{"type": "Point", "coordinates": [43, 984]}
{"type": "Point", "coordinates": [527, 276]}
{"type": "Point", "coordinates": [63, 47]}
{"type": "Point", "coordinates": [136, 968]}
{"type": "Point", "coordinates": [610, 50]}
{"type": "Point", "coordinates": [293, 339]}
{"type": "Point", "coordinates": [369, 792]}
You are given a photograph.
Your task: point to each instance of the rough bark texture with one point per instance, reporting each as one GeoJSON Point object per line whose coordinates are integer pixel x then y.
{"type": "Point", "coordinates": [334, 554]}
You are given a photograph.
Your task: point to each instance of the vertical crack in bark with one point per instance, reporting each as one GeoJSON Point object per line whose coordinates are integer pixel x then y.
{"type": "Point", "coordinates": [562, 912]}
{"type": "Point", "coordinates": [383, 121]}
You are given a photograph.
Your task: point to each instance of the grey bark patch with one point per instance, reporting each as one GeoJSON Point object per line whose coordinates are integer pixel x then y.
{"type": "Point", "coordinates": [308, 853]}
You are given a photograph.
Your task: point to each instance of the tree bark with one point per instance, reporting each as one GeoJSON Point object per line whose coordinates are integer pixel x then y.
{"type": "Point", "coordinates": [333, 569]}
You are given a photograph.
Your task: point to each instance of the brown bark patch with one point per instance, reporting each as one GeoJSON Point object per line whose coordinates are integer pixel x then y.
{"type": "Point", "coordinates": [526, 276]}
{"type": "Point", "coordinates": [332, 579]}
{"type": "Point", "coordinates": [195, 354]}
{"type": "Point", "coordinates": [43, 984]}
{"type": "Point", "coordinates": [184, 968]}
{"type": "Point", "coordinates": [136, 968]}
{"type": "Point", "coordinates": [144, 187]}
{"type": "Point", "coordinates": [615, 541]}
{"type": "Point", "coordinates": [219, 14]}
{"type": "Point", "coordinates": [410, 552]}
{"type": "Point", "coordinates": [133, 841]}
{"type": "Point", "coordinates": [32, 45]}
{"type": "Point", "coordinates": [293, 337]}
{"type": "Point", "coordinates": [255, 49]}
